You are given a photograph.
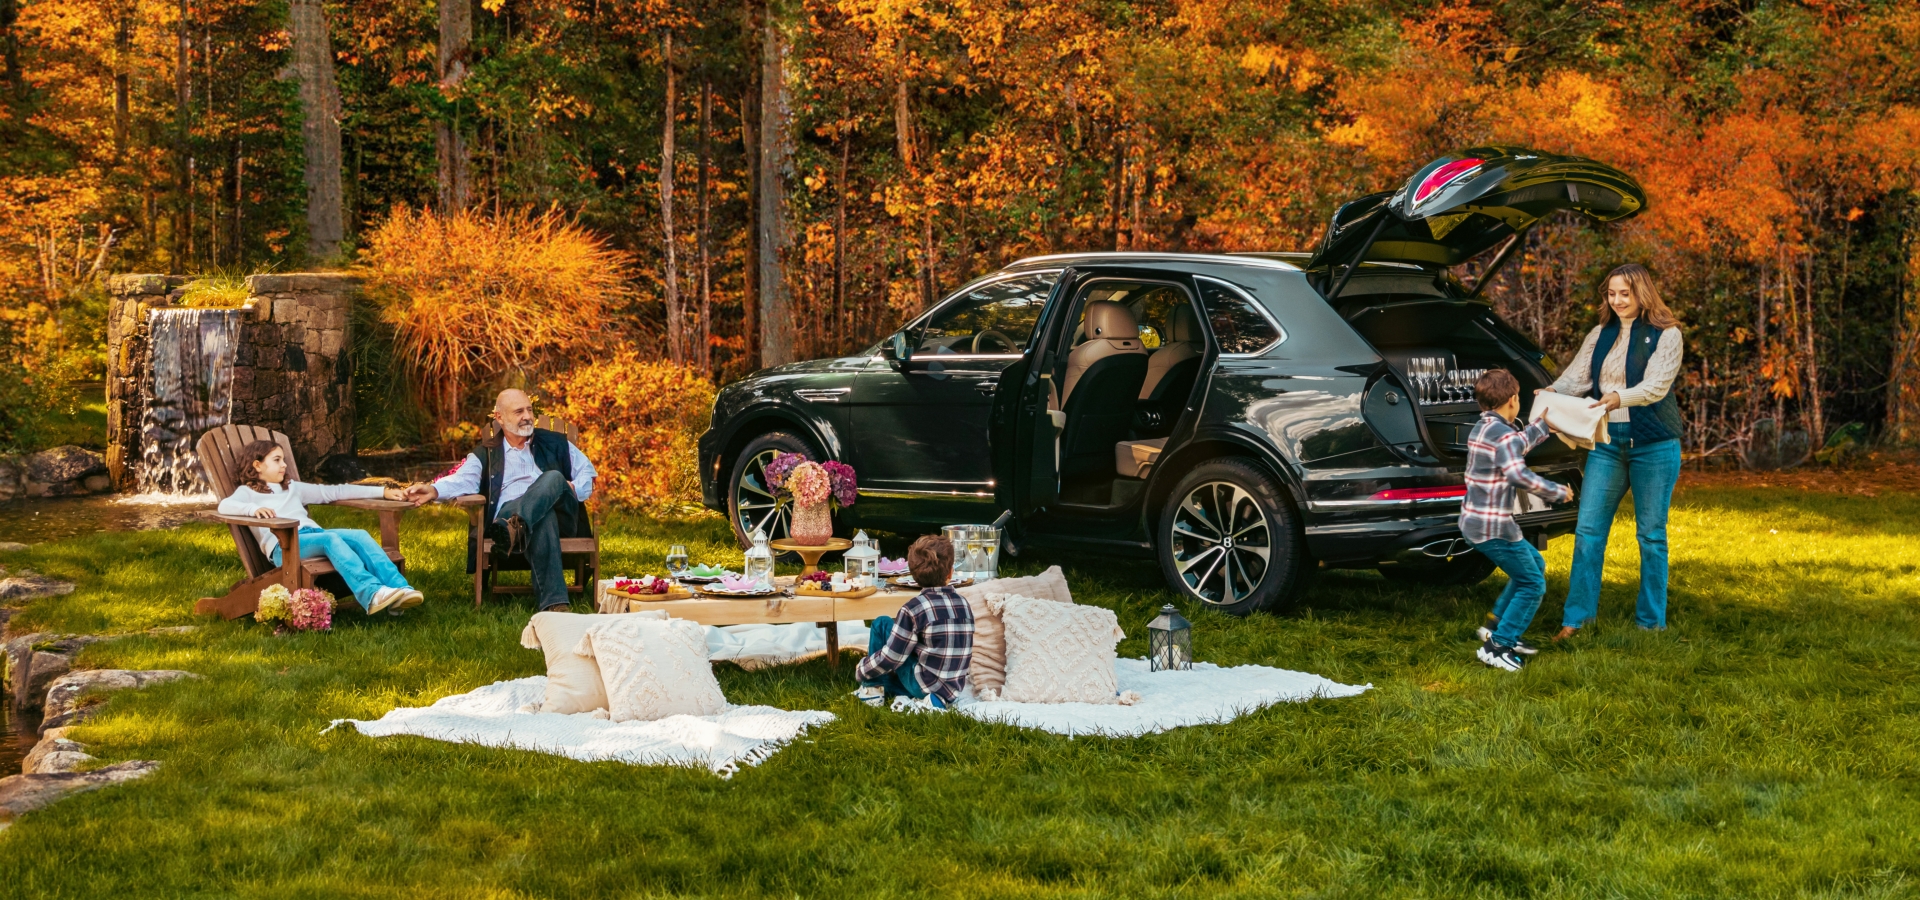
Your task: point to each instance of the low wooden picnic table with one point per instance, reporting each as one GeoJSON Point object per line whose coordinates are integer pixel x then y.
{"type": "Point", "coordinates": [782, 609]}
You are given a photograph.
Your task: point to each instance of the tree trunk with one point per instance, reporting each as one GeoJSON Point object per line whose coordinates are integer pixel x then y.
{"type": "Point", "coordinates": [840, 226]}
{"type": "Point", "coordinates": [750, 282]}
{"type": "Point", "coordinates": [122, 80]}
{"type": "Point", "coordinates": [9, 14]}
{"type": "Point", "coordinates": [776, 316]}
{"type": "Point", "coordinates": [903, 134]}
{"type": "Point", "coordinates": [670, 263]}
{"type": "Point", "coordinates": [704, 354]}
{"type": "Point", "coordinates": [1903, 381]}
{"type": "Point", "coordinates": [178, 240]}
{"type": "Point", "coordinates": [319, 125]}
{"type": "Point", "coordinates": [450, 137]}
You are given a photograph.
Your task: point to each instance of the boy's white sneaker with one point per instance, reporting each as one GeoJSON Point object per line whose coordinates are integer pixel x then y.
{"type": "Point", "coordinates": [871, 695]}
{"type": "Point", "coordinates": [384, 599]}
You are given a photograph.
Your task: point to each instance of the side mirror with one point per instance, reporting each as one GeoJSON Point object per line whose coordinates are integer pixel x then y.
{"type": "Point", "coordinates": [897, 349]}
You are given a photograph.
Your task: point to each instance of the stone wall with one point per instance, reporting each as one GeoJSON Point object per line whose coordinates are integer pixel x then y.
{"type": "Point", "coordinates": [291, 372]}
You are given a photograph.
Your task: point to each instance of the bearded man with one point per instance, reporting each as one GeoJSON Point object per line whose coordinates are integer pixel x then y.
{"type": "Point", "coordinates": [535, 482]}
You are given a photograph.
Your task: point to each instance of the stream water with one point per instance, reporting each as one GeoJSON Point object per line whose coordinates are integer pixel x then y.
{"type": "Point", "coordinates": [18, 734]}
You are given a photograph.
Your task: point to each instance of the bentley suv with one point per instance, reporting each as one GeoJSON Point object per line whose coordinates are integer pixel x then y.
{"type": "Point", "coordinates": [1246, 418]}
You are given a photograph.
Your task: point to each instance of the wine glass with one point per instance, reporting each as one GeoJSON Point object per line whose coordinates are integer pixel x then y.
{"type": "Point", "coordinates": [677, 560]}
{"type": "Point", "coordinates": [1422, 375]}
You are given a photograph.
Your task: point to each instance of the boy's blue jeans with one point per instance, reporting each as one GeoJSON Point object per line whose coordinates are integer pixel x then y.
{"type": "Point", "coordinates": [1651, 470]}
{"type": "Point", "coordinates": [1526, 584]}
{"type": "Point", "coordinates": [360, 560]}
{"type": "Point", "coordinates": [901, 680]}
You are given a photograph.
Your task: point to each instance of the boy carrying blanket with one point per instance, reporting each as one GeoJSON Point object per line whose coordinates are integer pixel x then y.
{"type": "Point", "coordinates": [1496, 469]}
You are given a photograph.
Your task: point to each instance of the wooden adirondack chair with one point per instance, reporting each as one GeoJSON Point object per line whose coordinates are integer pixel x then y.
{"type": "Point", "coordinates": [217, 450]}
{"type": "Point", "coordinates": [581, 554]}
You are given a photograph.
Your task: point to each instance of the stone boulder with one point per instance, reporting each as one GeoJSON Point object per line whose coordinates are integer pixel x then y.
{"type": "Point", "coordinates": [66, 699]}
{"type": "Point", "coordinates": [63, 464]}
{"type": "Point", "coordinates": [29, 586]}
{"type": "Point", "coordinates": [34, 661]}
{"type": "Point", "coordinates": [13, 475]}
{"type": "Point", "coordinates": [21, 794]}
{"type": "Point", "coordinates": [55, 753]}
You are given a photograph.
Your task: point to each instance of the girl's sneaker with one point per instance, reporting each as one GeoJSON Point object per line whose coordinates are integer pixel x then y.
{"type": "Point", "coordinates": [1502, 658]}
{"type": "Point", "coordinates": [385, 599]}
{"type": "Point", "coordinates": [871, 695]}
{"type": "Point", "coordinates": [410, 598]}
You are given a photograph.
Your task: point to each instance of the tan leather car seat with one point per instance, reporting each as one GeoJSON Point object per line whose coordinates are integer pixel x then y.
{"type": "Point", "coordinates": [1183, 343]}
{"type": "Point", "coordinates": [1110, 331]}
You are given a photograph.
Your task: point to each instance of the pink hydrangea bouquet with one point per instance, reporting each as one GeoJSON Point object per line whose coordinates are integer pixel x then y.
{"type": "Point", "coordinates": [842, 488]}
{"type": "Point", "coordinates": [307, 609]}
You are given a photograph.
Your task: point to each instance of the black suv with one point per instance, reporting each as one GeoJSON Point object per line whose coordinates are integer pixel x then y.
{"type": "Point", "coordinates": [1246, 417]}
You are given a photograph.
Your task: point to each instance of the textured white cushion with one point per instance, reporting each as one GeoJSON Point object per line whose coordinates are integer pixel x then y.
{"type": "Point", "coordinates": [573, 681]}
{"type": "Point", "coordinates": [988, 670]}
{"type": "Point", "coordinates": [1058, 652]}
{"type": "Point", "coordinates": [653, 669]}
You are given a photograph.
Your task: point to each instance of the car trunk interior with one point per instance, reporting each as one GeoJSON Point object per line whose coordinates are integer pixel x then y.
{"type": "Point", "coordinates": [1436, 344]}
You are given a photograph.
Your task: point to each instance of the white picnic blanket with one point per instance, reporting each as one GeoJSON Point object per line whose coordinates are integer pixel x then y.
{"type": "Point", "coordinates": [491, 716]}
{"type": "Point", "coordinates": [754, 647]}
{"type": "Point", "coordinates": [1574, 420]}
{"type": "Point", "coordinates": [1204, 695]}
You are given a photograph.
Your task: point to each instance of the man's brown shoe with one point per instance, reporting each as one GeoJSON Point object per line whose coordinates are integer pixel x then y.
{"type": "Point", "coordinates": [516, 535]}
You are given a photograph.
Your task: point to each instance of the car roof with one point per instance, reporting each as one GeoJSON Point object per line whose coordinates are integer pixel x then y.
{"type": "Point", "coordinates": [1068, 259]}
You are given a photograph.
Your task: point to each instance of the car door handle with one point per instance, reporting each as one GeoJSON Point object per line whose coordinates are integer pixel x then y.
{"type": "Point", "coordinates": [987, 387]}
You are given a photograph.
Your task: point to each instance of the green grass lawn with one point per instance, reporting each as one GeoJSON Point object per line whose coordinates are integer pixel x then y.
{"type": "Point", "coordinates": [1765, 746]}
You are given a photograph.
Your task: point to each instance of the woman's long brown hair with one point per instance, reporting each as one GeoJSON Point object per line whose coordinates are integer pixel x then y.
{"type": "Point", "coordinates": [1640, 282]}
{"type": "Point", "coordinates": [246, 468]}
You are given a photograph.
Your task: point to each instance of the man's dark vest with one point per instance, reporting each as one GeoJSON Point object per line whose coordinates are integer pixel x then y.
{"type": "Point", "coordinates": [1659, 422]}
{"type": "Point", "coordinates": [550, 454]}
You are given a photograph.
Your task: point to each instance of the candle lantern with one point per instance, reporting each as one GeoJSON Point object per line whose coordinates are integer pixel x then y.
{"type": "Point", "coordinates": [1169, 641]}
{"type": "Point", "coordinates": [863, 561]}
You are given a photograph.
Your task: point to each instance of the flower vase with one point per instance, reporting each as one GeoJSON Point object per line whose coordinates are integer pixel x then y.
{"type": "Point", "coordinates": [812, 524]}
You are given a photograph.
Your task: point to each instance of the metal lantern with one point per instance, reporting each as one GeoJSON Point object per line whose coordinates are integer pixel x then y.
{"type": "Point", "coordinates": [1169, 641]}
{"type": "Point", "coordinates": [863, 561]}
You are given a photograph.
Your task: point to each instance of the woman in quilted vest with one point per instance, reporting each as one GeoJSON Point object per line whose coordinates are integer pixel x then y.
{"type": "Point", "coordinates": [1627, 365]}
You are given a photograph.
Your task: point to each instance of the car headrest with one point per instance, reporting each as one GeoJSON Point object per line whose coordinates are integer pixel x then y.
{"type": "Point", "coordinates": [1183, 327]}
{"type": "Point", "coordinates": [1107, 320]}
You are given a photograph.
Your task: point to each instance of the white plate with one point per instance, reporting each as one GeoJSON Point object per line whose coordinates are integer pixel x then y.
{"type": "Point", "coordinates": [907, 581]}
{"type": "Point", "coordinates": [723, 592]}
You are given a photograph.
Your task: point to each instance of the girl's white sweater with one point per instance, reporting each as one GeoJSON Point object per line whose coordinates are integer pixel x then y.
{"type": "Point", "coordinates": [291, 503]}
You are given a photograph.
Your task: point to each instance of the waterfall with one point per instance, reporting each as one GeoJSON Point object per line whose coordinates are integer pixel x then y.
{"type": "Point", "coordinates": [191, 391]}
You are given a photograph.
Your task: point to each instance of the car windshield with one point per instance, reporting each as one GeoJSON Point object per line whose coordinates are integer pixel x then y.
{"type": "Point", "coordinates": [994, 318]}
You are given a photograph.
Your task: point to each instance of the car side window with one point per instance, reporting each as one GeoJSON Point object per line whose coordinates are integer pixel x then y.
{"type": "Point", "coordinates": [995, 318]}
{"type": "Point", "coordinates": [1237, 324]}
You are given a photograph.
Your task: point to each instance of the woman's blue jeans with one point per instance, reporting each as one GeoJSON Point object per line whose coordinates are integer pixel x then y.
{"type": "Point", "coordinates": [360, 560]}
{"type": "Point", "coordinates": [1651, 471]}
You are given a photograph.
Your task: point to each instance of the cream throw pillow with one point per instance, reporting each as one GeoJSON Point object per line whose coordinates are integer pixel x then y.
{"type": "Point", "coordinates": [653, 669]}
{"type": "Point", "coordinates": [1058, 652]}
{"type": "Point", "coordinates": [988, 671]}
{"type": "Point", "coordinates": [573, 681]}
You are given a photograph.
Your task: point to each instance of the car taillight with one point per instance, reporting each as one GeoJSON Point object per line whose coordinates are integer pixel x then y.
{"type": "Point", "coordinates": [1445, 175]}
{"type": "Point", "coordinates": [1423, 493]}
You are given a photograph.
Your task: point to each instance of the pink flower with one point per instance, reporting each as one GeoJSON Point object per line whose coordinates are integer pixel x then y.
{"type": "Point", "coordinates": [780, 467]}
{"type": "Point", "coordinates": [809, 484]}
{"type": "Point", "coordinates": [310, 609]}
{"type": "Point", "coordinates": [845, 487]}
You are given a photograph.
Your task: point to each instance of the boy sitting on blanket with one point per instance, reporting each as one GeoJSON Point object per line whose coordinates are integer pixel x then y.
{"type": "Point", "coordinates": [924, 653]}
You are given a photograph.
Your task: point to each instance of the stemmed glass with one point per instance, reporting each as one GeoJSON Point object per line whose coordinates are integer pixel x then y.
{"type": "Point", "coordinates": [677, 561]}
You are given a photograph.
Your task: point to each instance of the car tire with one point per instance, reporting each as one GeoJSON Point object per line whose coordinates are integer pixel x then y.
{"type": "Point", "coordinates": [743, 484]}
{"type": "Point", "coordinates": [1229, 536]}
{"type": "Point", "coordinates": [1462, 570]}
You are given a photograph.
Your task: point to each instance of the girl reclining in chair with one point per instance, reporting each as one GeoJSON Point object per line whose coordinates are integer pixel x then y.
{"type": "Point", "coordinates": [264, 491]}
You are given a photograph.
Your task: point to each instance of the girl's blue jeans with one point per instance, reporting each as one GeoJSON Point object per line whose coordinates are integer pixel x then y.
{"type": "Point", "coordinates": [1650, 470]}
{"type": "Point", "coordinates": [359, 559]}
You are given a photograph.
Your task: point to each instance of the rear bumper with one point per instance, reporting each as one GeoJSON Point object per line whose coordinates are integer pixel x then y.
{"type": "Point", "coordinates": [1420, 540]}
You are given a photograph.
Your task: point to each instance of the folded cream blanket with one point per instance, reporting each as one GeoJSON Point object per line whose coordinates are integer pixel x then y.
{"type": "Point", "coordinates": [1574, 420]}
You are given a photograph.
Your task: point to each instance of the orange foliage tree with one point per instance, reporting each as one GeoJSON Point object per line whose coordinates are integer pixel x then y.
{"type": "Point", "coordinates": [475, 299]}
{"type": "Point", "coordinates": [640, 420]}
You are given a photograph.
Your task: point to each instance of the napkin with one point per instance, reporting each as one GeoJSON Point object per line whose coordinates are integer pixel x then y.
{"type": "Point", "coordinates": [706, 571]}
{"type": "Point", "coordinates": [737, 583]}
{"type": "Point", "coordinates": [893, 566]}
{"type": "Point", "coordinates": [1574, 420]}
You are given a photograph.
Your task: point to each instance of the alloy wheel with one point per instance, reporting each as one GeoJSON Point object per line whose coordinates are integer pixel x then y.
{"type": "Point", "coordinates": [1222, 543]}
{"type": "Point", "coordinates": [758, 508]}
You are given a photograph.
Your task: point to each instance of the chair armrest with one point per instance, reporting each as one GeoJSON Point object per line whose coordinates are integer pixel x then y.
{"type": "Point", "coordinates": [470, 500]}
{"type": "Point", "coordinates": [375, 504]}
{"type": "Point", "coordinates": [256, 522]}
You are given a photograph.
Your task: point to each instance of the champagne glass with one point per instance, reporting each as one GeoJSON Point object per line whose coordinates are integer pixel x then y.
{"type": "Point", "coordinates": [677, 560]}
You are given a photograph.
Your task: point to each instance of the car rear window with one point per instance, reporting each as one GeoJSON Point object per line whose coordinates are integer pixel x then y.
{"type": "Point", "coordinates": [1237, 325]}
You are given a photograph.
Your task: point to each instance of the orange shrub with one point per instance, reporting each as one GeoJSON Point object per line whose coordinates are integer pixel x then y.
{"type": "Point", "coordinates": [640, 421]}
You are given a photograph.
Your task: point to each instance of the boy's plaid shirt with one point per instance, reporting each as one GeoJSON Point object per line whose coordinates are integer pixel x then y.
{"type": "Point", "coordinates": [1496, 465]}
{"type": "Point", "coordinates": [939, 624]}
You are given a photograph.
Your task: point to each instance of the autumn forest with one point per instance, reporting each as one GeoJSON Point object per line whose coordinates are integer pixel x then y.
{"type": "Point", "coordinates": [774, 180]}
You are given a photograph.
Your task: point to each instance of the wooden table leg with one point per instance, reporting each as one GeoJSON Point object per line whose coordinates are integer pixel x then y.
{"type": "Point", "coordinates": [833, 645]}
